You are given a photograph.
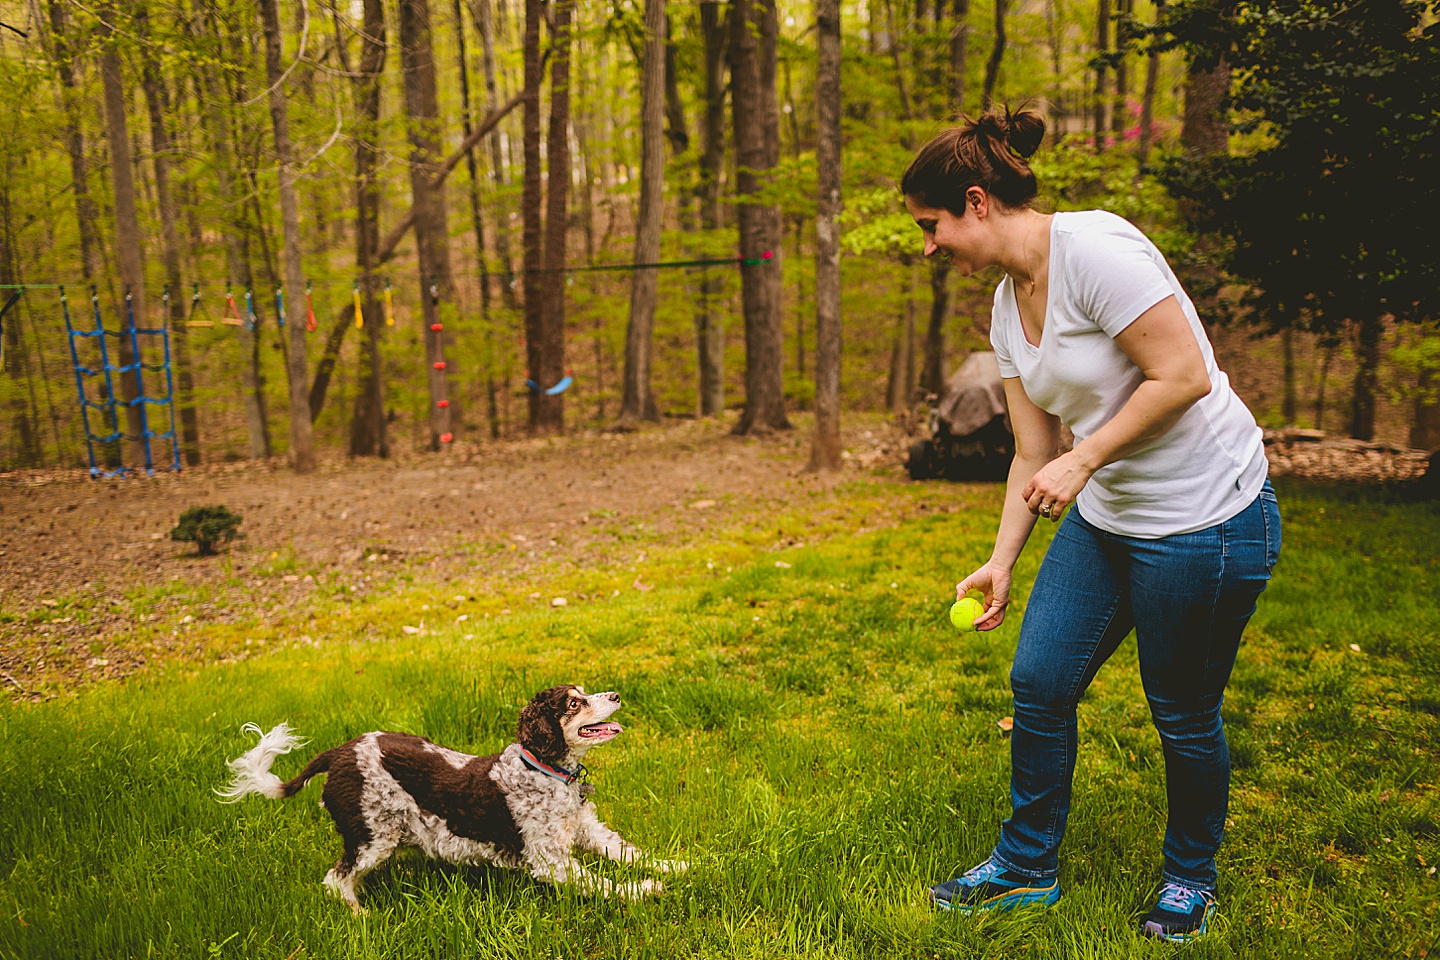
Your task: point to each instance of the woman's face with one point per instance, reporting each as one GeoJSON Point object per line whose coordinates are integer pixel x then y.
{"type": "Point", "coordinates": [962, 240]}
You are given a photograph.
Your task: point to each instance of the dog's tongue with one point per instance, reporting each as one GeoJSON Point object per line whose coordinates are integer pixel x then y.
{"type": "Point", "coordinates": [601, 729]}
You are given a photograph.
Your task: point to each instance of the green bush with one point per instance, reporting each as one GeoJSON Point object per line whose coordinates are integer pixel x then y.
{"type": "Point", "coordinates": [206, 527]}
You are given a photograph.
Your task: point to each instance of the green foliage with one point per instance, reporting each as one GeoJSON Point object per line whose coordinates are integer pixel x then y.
{"type": "Point", "coordinates": [206, 527]}
{"type": "Point", "coordinates": [1332, 210]}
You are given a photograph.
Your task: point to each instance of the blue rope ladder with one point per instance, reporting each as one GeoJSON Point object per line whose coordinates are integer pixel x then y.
{"type": "Point", "coordinates": [107, 404]}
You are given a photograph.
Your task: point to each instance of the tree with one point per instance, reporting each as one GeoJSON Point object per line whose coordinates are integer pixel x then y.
{"type": "Point", "coordinates": [545, 417]}
{"type": "Point", "coordinates": [825, 451]}
{"type": "Point", "coordinates": [710, 324]}
{"type": "Point", "coordinates": [636, 400]}
{"type": "Point", "coordinates": [753, 37]}
{"type": "Point", "coordinates": [1351, 107]}
{"type": "Point", "coordinates": [432, 234]}
{"type": "Point", "coordinates": [550, 366]}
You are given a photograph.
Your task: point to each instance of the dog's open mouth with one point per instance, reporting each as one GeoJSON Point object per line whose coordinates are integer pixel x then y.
{"type": "Point", "coordinates": [600, 731]}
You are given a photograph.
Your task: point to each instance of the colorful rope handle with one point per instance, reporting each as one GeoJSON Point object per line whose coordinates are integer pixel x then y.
{"type": "Point", "coordinates": [280, 307]}
{"type": "Point", "coordinates": [359, 314]}
{"type": "Point", "coordinates": [309, 310]}
{"type": "Point", "coordinates": [389, 307]}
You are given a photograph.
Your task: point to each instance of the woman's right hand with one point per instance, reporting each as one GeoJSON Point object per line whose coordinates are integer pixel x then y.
{"type": "Point", "coordinates": [994, 581]}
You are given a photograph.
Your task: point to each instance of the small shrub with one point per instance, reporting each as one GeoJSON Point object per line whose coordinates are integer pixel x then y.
{"type": "Point", "coordinates": [206, 527]}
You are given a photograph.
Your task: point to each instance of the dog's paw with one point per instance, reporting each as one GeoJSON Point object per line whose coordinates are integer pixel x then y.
{"type": "Point", "coordinates": [671, 866]}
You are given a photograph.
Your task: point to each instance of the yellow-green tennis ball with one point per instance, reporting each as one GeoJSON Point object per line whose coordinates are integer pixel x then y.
{"type": "Point", "coordinates": [964, 612]}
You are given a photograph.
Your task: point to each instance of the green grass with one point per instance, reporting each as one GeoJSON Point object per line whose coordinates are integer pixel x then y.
{"type": "Point", "coordinates": [815, 739]}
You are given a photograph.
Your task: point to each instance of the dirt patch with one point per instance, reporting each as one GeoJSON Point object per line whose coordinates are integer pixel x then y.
{"type": "Point", "coordinates": [91, 585]}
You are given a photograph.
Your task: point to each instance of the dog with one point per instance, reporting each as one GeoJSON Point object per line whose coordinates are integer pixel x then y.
{"type": "Point", "coordinates": [526, 807]}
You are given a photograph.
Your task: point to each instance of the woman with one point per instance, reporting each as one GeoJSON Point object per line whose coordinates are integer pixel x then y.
{"type": "Point", "coordinates": [1175, 527]}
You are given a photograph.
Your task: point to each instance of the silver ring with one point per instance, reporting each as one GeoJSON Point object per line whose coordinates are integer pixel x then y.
{"type": "Point", "coordinates": [1044, 509]}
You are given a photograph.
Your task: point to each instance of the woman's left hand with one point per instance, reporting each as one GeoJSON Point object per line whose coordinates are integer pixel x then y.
{"type": "Point", "coordinates": [1056, 485]}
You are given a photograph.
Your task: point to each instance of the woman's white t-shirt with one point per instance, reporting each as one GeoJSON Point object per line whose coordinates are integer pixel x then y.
{"type": "Point", "coordinates": [1104, 273]}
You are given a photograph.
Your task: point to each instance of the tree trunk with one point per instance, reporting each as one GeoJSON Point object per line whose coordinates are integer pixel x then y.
{"type": "Point", "coordinates": [85, 214]}
{"type": "Point", "coordinates": [1367, 366]}
{"type": "Point", "coordinates": [550, 369]}
{"type": "Point", "coordinates": [368, 433]}
{"type": "Point", "coordinates": [128, 242]}
{"type": "Point", "coordinates": [636, 400]}
{"type": "Point", "coordinates": [1425, 427]}
{"type": "Point", "coordinates": [541, 414]}
{"type": "Point", "coordinates": [1147, 102]}
{"type": "Point", "coordinates": [825, 451]}
{"type": "Point", "coordinates": [710, 322]}
{"type": "Point", "coordinates": [23, 422]}
{"type": "Point", "coordinates": [1102, 47]}
{"type": "Point", "coordinates": [997, 54]}
{"type": "Point", "coordinates": [476, 221]}
{"type": "Point", "coordinates": [302, 441]}
{"type": "Point", "coordinates": [157, 99]}
{"type": "Point", "coordinates": [483, 21]}
{"type": "Point", "coordinates": [932, 374]}
{"type": "Point", "coordinates": [959, 47]}
{"type": "Point", "coordinates": [1118, 113]}
{"type": "Point", "coordinates": [237, 250]}
{"type": "Point", "coordinates": [1203, 129]}
{"type": "Point", "coordinates": [1287, 404]}
{"type": "Point", "coordinates": [432, 234]}
{"type": "Point", "coordinates": [753, 40]}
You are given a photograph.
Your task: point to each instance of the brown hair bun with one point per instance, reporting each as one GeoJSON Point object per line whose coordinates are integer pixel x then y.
{"type": "Point", "coordinates": [989, 152]}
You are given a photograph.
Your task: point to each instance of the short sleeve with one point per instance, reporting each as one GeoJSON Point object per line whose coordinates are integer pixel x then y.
{"type": "Point", "coordinates": [999, 327]}
{"type": "Point", "coordinates": [1116, 277]}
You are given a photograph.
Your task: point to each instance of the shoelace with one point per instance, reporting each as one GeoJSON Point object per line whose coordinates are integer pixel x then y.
{"type": "Point", "coordinates": [1178, 898]}
{"type": "Point", "coordinates": [983, 872]}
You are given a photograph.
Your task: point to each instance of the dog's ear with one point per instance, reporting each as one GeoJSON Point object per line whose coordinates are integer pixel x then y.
{"type": "Point", "coordinates": [539, 727]}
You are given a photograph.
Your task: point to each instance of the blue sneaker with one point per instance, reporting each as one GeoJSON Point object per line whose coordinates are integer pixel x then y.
{"type": "Point", "coordinates": [1180, 915]}
{"type": "Point", "coordinates": [991, 887]}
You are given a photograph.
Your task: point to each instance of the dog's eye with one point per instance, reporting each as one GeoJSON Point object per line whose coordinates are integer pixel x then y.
{"type": "Point", "coordinates": [574, 704]}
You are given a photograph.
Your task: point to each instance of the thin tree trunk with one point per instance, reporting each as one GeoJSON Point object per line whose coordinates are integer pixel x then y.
{"type": "Point", "coordinates": [1323, 379]}
{"type": "Point", "coordinates": [636, 400]}
{"type": "Point", "coordinates": [959, 48]}
{"type": "Point", "coordinates": [550, 369]}
{"type": "Point", "coordinates": [1367, 366]}
{"type": "Point", "coordinates": [157, 99]}
{"type": "Point", "coordinates": [302, 441]}
{"type": "Point", "coordinates": [710, 322]}
{"type": "Point", "coordinates": [237, 252]}
{"type": "Point", "coordinates": [481, 13]}
{"type": "Point", "coordinates": [128, 242]}
{"type": "Point", "coordinates": [1425, 427]}
{"type": "Point", "coordinates": [997, 54]}
{"type": "Point", "coordinates": [476, 221]}
{"type": "Point", "coordinates": [1147, 101]}
{"type": "Point", "coordinates": [1287, 404]}
{"type": "Point", "coordinates": [533, 238]}
{"type": "Point", "coordinates": [753, 42]}
{"type": "Point", "coordinates": [1118, 113]}
{"type": "Point", "coordinates": [932, 374]}
{"type": "Point", "coordinates": [907, 109]}
{"type": "Point", "coordinates": [897, 387]}
{"type": "Point", "coordinates": [85, 214]}
{"type": "Point", "coordinates": [825, 451]}
{"type": "Point", "coordinates": [432, 235]}
{"type": "Point", "coordinates": [368, 427]}
{"type": "Point", "coordinates": [23, 420]}
{"type": "Point", "coordinates": [1102, 47]}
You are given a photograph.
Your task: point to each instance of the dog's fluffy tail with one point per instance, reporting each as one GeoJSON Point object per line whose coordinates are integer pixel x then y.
{"type": "Point", "coordinates": [250, 772]}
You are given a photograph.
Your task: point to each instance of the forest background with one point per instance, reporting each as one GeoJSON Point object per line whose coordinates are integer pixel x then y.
{"type": "Point", "coordinates": [477, 179]}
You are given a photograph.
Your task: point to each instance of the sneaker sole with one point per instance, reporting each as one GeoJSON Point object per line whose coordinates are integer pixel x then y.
{"type": "Point", "coordinates": [1011, 899]}
{"type": "Point", "coordinates": [1152, 929]}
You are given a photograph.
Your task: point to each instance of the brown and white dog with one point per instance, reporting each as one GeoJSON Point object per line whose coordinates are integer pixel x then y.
{"type": "Point", "coordinates": [524, 807]}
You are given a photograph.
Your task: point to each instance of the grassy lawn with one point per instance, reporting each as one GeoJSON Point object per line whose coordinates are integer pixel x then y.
{"type": "Point", "coordinates": [803, 726]}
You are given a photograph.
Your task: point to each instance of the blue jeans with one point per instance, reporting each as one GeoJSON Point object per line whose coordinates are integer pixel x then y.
{"type": "Point", "coordinates": [1188, 598]}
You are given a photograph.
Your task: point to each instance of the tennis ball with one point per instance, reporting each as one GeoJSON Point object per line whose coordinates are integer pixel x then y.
{"type": "Point", "coordinates": [964, 612]}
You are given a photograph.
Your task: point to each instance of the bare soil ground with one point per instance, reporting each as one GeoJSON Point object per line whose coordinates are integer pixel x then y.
{"type": "Point", "coordinates": [86, 565]}
{"type": "Point", "coordinates": [89, 575]}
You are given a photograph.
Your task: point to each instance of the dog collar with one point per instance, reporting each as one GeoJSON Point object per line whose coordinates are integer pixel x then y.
{"type": "Point", "coordinates": [559, 773]}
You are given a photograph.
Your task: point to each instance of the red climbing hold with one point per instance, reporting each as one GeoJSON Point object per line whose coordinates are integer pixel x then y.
{"type": "Point", "coordinates": [439, 364]}
{"type": "Point", "coordinates": [437, 327]}
{"type": "Point", "coordinates": [446, 437]}
{"type": "Point", "coordinates": [768, 255]}
{"type": "Point", "coordinates": [442, 404]}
